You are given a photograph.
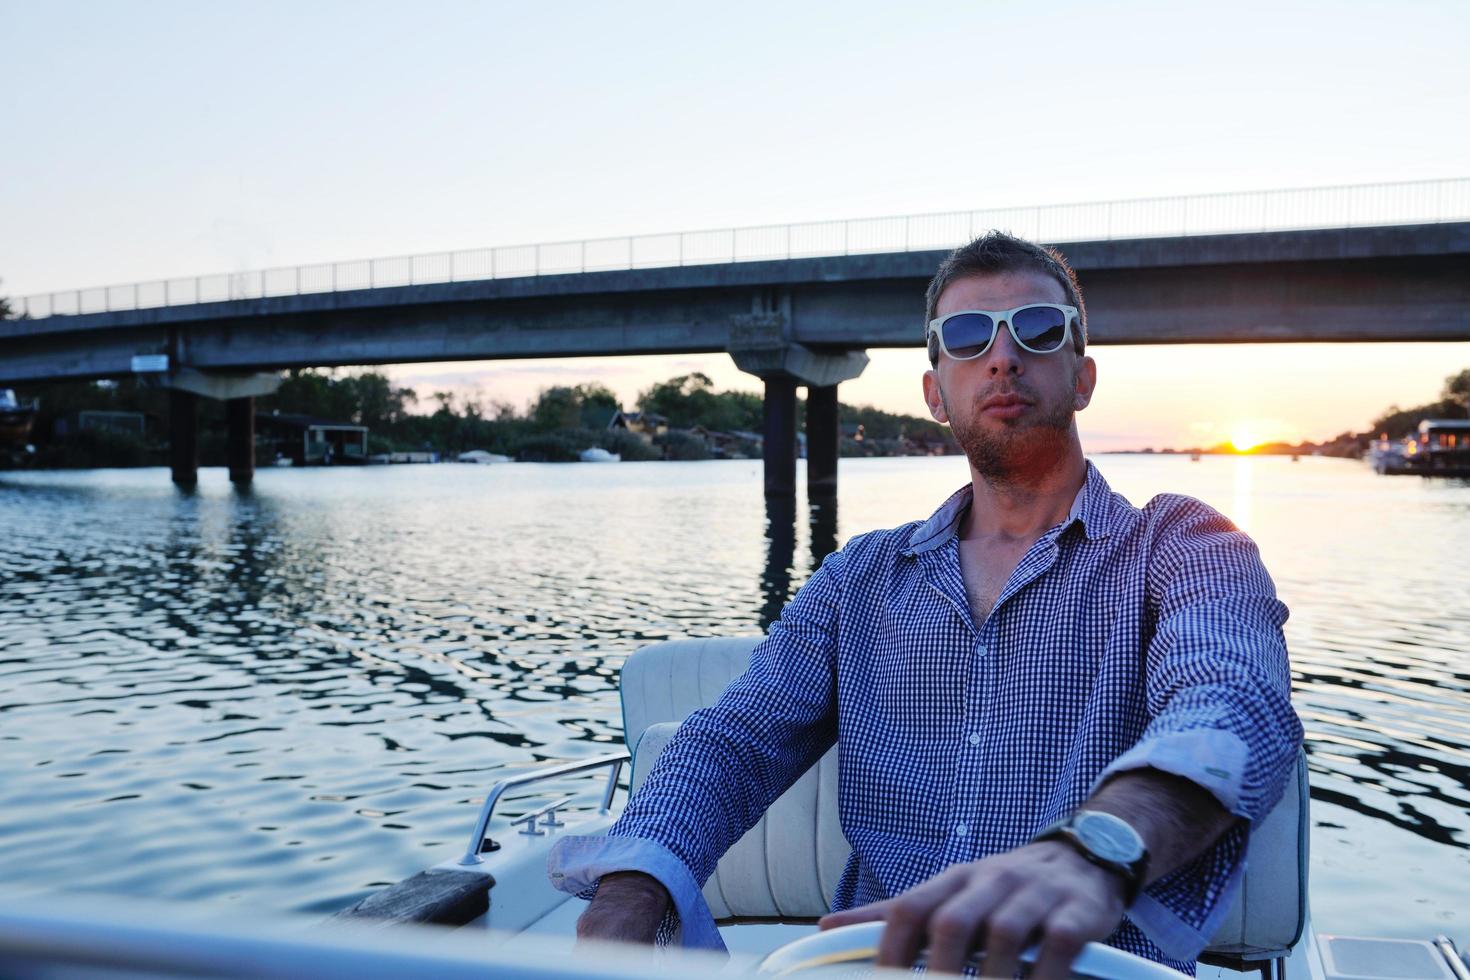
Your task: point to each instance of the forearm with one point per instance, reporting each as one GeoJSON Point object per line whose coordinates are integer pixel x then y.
{"type": "Point", "coordinates": [1177, 819]}
{"type": "Point", "coordinates": [628, 907]}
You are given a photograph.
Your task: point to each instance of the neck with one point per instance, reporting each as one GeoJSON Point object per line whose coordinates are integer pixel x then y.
{"type": "Point", "coordinates": [1031, 496]}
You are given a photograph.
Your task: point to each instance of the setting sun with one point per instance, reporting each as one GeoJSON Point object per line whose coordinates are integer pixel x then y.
{"type": "Point", "coordinates": [1244, 438]}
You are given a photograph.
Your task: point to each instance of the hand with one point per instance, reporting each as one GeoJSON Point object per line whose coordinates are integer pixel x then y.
{"type": "Point", "coordinates": [1043, 891]}
{"type": "Point", "coordinates": [627, 908]}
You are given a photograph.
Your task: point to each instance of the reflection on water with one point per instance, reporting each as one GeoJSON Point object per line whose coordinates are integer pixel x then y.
{"type": "Point", "coordinates": [777, 582]}
{"type": "Point", "coordinates": [780, 553]}
{"type": "Point", "coordinates": [289, 695]}
{"type": "Point", "coordinates": [824, 529]}
{"type": "Point", "coordinates": [1240, 502]}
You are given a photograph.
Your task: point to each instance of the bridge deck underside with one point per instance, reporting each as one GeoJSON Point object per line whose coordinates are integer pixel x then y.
{"type": "Point", "coordinates": [1363, 285]}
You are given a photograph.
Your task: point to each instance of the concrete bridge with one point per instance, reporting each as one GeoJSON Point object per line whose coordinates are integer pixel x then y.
{"type": "Point", "coordinates": [791, 321]}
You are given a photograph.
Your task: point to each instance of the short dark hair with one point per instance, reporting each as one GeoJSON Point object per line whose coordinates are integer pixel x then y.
{"type": "Point", "coordinates": [996, 251]}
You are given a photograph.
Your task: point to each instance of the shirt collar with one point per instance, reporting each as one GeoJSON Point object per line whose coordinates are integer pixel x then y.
{"type": "Point", "coordinates": [1090, 507]}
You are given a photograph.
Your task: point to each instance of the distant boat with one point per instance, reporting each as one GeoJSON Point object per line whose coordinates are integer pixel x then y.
{"type": "Point", "coordinates": [481, 456]}
{"type": "Point", "coordinates": [599, 455]}
{"type": "Point", "coordinates": [414, 456]}
{"type": "Point", "coordinates": [1387, 456]}
{"type": "Point", "coordinates": [15, 421]}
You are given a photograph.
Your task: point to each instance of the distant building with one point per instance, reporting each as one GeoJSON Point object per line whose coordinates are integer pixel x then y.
{"type": "Point", "coordinates": [309, 441]}
{"type": "Point", "coordinates": [644, 425]}
{"type": "Point", "coordinates": [133, 423]}
{"type": "Point", "coordinates": [741, 444]}
{"type": "Point", "coordinates": [1441, 447]}
{"type": "Point", "coordinates": [1444, 434]}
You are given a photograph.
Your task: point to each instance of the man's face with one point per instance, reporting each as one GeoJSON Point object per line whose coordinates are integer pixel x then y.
{"type": "Point", "coordinates": [1009, 409]}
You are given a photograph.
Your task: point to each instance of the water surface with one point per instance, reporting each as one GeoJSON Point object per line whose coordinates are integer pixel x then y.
{"type": "Point", "coordinates": [287, 697]}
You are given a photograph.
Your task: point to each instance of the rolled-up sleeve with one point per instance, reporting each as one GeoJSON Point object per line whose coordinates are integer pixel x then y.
{"type": "Point", "coordinates": [577, 864]}
{"type": "Point", "coordinates": [1219, 704]}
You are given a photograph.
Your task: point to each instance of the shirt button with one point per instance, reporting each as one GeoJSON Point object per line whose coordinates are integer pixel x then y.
{"type": "Point", "coordinates": [974, 738]}
{"type": "Point", "coordinates": [961, 830]}
{"type": "Point", "coordinates": [980, 649]}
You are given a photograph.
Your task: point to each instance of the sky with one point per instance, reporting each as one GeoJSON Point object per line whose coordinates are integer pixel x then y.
{"type": "Point", "coordinates": [161, 139]}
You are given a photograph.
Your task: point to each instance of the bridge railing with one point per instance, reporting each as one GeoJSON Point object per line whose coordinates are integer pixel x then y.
{"type": "Point", "coordinates": [1411, 202]}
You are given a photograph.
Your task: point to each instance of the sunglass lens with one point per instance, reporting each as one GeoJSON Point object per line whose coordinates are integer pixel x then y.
{"type": "Point", "coordinates": [967, 334]}
{"type": "Point", "coordinates": [1040, 328]}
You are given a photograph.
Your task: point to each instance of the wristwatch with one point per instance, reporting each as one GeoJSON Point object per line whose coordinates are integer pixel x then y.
{"type": "Point", "coordinates": [1108, 842]}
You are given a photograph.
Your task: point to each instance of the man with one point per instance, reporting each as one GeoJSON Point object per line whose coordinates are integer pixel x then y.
{"type": "Point", "coordinates": [1053, 709]}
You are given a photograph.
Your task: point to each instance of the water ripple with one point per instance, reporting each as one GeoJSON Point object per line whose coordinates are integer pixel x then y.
{"type": "Point", "coordinates": [291, 696]}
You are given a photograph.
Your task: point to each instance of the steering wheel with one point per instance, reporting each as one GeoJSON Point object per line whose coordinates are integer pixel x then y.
{"type": "Point", "coordinates": [854, 945]}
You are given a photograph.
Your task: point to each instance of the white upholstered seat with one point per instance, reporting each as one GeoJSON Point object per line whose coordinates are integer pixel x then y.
{"type": "Point", "coordinates": [788, 864]}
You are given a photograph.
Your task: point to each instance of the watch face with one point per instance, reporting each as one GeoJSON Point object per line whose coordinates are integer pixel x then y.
{"type": "Point", "coordinates": [1108, 837]}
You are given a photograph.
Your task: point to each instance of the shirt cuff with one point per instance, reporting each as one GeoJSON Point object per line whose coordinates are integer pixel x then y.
{"type": "Point", "coordinates": [1211, 758]}
{"type": "Point", "coordinates": [1177, 939]}
{"type": "Point", "coordinates": [577, 864]}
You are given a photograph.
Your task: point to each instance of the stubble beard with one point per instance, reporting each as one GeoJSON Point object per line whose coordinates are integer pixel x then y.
{"type": "Point", "coordinates": [1019, 449]}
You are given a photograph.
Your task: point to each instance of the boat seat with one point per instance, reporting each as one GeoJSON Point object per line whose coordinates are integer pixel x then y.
{"type": "Point", "coordinates": [1269, 912]}
{"type": "Point", "coordinates": [788, 864]}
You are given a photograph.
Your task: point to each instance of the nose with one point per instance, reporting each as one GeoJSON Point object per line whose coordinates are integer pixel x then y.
{"type": "Point", "coordinates": [1005, 356]}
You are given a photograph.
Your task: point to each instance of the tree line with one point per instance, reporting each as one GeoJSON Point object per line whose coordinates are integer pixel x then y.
{"type": "Point", "coordinates": [562, 421]}
{"type": "Point", "coordinates": [1453, 403]}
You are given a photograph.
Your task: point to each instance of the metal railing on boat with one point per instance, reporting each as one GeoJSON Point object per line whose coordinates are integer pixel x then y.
{"type": "Point", "coordinates": [613, 761]}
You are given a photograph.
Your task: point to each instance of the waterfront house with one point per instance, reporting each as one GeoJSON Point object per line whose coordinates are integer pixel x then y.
{"type": "Point", "coordinates": [644, 425]}
{"type": "Point", "coordinates": [309, 441]}
{"type": "Point", "coordinates": [1440, 447]}
{"type": "Point", "coordinates": [131, 423]}
{"type": "Point", "coordinates": [735, 445]}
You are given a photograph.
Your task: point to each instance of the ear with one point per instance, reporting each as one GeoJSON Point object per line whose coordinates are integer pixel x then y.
{"type": "Point", "coordinates": [933, 397]}
{"type": "Point", "coordinates": [1085, 383]}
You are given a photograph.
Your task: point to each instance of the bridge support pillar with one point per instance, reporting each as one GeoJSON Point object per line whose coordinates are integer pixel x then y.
{"type": "Point", "coordinates": [779, 450]}
{"type": "Point", "coordinates": [240, 440]}
{"type": "Point", "coordinates": [183, 437]}
{"type": "Point", "coordinates": [237, 390]}
{"type": "Point", "coordinates": [758, 347]}
{"type": "Point", "coordinates": [822, 436]}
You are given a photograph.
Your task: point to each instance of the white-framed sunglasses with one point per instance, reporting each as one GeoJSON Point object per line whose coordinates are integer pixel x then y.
{"type": "Point", "coordinates": [1041, 328]}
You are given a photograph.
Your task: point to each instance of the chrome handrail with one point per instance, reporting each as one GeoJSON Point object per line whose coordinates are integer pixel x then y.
{"type": "Point", "coordinates": [1446, 947]}
{"type": "Point", "coordinates": [614, 760]}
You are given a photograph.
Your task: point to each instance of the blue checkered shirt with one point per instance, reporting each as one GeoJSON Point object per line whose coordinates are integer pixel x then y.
{"type": "Point", "coordinates": [1125, 638]}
